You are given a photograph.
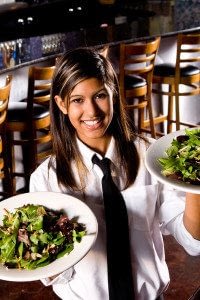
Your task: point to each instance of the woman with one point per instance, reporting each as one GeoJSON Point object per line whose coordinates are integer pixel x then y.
{"type": "Point", "coordinates": [87, 118]}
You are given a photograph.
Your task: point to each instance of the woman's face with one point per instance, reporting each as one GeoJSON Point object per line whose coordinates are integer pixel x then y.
{"type": "Point", "coordinates": [90, 111]}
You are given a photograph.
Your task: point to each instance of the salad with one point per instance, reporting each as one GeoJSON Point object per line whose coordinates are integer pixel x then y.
{"type": "Point", "coordinates": [183, 158]}
{"type": "Point", "coordinates": [33, 236]}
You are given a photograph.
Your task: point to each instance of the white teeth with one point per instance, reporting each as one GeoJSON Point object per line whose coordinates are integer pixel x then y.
{"type": "Point", "coordinates": [91, 123]}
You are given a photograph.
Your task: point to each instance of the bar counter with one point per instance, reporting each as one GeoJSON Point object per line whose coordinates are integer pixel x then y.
{"type": "Point", "coordinates": [134, 23]}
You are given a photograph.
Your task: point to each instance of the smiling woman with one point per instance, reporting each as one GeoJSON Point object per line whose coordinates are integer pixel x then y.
{"type": "Point", "coordinates": [90, 111]}
{"type": "Point", "coordinates": [88, 120]}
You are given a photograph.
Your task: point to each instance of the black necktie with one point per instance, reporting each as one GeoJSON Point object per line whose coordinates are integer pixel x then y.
{"type": "Point", "coordinates": [120, 280]}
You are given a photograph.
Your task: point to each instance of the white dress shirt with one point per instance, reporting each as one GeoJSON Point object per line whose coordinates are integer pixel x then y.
{"type": "Point", "coordinates": [153, 210]}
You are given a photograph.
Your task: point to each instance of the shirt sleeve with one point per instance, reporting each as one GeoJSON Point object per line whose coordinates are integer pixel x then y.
{"type": "Point", "coordinates": [37, 184]}
{"type": "Point", "coordinates": [44, 179]}
{"type": "Point", "coordinates": [62, 278]}
{"type": "Point", "coordinates": [172, 206]}
{"type": "Point", "coordinates": [39, 180]}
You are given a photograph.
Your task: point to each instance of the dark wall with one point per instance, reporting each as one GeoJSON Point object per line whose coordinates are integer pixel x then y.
{"type": "Point", "coordinates": [32, 19]}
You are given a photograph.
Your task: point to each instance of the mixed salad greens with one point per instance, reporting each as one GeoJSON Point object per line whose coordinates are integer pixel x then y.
{"type": "Point", "coordinates": [33, 236]}
{"type": "Point", "coordinates": [183, 158]}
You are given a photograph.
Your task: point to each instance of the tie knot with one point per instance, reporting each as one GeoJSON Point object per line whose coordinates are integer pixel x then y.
{"type": "Point", "coordinates": [104, 164]}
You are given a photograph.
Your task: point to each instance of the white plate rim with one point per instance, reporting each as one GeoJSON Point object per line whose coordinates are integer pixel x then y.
{"type": "Point", "coordinates": [157, 150]}
{"type": "Point", "coordinates": [74, 207]}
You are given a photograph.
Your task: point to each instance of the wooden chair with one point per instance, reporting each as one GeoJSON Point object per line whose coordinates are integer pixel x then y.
{"type": "Point", "coordinates": [182, 79]}
{"type": "Point", "coordinates": [6, 187]}
{"type": "Point", "coordinates": [136, 64]}
{"type": "Point", "coordinates": [28, 123]}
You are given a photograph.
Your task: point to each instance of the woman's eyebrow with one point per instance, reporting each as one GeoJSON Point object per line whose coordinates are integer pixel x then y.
{"type": "Point", "coordinates": [72, 96]}
{"type": "Point", "coordinates": [96, 92]}
{"type": "Point", "coordinates": [103, 89]}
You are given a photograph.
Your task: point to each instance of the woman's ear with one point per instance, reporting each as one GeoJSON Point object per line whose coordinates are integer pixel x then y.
{"type": "Point", "coordinates": [61, 104]}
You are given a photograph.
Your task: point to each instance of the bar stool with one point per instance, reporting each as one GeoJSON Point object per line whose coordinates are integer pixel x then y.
{"type": "Point", "coordinates": [136, 64]}
{"type": "Point", "coordinates": [182, 79]}
{"type": "Point", "coordinates": [6, 188]}
{"type": "Point", "coordinates": [28, 123]}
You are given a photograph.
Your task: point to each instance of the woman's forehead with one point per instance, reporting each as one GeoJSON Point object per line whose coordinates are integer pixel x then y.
{"type": "Point", "coordinates": [92, 82]}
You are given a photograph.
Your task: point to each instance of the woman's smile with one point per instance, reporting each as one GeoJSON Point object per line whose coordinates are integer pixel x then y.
{"type": "Point", "coordinates": [90, 111]}
{"type": "Point", "coordinates": [93, 124]}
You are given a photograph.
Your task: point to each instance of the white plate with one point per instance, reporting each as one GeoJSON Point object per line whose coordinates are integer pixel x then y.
{"type": "Point", "coordinates": [157, 150]}
{"type": "Point", "coordinates": [57, 201]}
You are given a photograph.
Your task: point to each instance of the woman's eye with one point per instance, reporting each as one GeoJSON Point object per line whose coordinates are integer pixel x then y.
{"type": "Point", "coordinates": [77, 100]}
{"type": "Point", "coordinates": [102, 96]}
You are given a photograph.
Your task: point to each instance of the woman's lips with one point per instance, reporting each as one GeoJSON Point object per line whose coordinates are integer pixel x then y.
{"type": "Point", "coordinates": [93, 124]}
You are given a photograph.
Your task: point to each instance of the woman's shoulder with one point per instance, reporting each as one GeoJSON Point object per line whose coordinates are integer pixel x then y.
{"type": "Point", "coordinates": [46, 166]}
{"type": "Point", "coordinates": [143, 143]}
{"type": "Point", "coordinates": [44, 177]}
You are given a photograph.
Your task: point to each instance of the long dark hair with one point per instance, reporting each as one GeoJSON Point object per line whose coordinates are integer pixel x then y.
{"type": "Point", "coordinates": [73, 67]}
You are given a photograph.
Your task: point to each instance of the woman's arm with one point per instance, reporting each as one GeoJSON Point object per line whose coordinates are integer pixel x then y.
{"type": "Point", "coordinates": [191, 218]}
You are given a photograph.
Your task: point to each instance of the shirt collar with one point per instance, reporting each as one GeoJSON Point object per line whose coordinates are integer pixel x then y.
{"type": "Point", "coordinates": [88, 153]}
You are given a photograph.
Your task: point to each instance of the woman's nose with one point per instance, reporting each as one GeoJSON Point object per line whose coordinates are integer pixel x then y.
{"type": "Point", "coordinates": [91, 107]}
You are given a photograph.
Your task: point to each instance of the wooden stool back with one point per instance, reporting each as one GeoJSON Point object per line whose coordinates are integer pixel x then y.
{"type": "Point", "coordinates": [31, 120]}
{"type": "Point", "coordinates": [182, 79]}
{"type": "Point", "coordinates": [136, 64]}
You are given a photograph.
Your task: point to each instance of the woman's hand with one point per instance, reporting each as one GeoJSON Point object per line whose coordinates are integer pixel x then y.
{"type": "Point", "coordinates": [191, 218]}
